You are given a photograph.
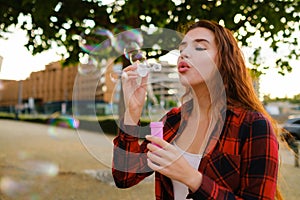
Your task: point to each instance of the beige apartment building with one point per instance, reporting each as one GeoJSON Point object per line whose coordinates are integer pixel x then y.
{"type": "Point", "coordinates": [54, 84]}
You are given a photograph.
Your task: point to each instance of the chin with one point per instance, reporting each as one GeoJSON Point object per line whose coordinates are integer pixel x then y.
{"type": "Point", "coordinates": [192, 81]}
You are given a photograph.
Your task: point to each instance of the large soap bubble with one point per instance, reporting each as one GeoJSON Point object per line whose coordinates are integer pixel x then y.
{"type": "Point", "coordinates": [163, 87]}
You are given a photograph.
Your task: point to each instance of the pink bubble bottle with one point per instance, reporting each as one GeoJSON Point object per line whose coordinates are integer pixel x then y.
{"type": "Point", "coordinates": [157, 129]}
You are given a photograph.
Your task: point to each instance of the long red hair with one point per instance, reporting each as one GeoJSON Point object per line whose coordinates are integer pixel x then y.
{"type": "Point", "coordinates": [236, 77]}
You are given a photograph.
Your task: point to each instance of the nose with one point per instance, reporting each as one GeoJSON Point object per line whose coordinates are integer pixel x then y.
{"type": "Point", "coordinates": [184, 53]}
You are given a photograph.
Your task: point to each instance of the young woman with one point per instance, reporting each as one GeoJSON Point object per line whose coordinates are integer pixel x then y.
{"type": "Point", "coordinates": [220, 144]}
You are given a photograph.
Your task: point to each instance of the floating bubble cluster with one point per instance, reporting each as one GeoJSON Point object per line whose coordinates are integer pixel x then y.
{"type": "Point", "coordinates": [101, 42]}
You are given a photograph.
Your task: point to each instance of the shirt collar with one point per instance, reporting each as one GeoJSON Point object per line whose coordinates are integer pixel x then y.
{"type": "Point", "coordinates": [235, 110]}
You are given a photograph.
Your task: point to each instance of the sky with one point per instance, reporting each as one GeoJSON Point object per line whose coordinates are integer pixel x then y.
{"type": "Point", "coordinates": [281, 86]}
{"type": "Point", "coordinates": [18, 63]}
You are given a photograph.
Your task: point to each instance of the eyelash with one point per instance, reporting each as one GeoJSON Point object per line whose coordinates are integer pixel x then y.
{"type": "Point", "coordinates": [200, 49]}
{"type": "Point", "coordinates": [197, 49]}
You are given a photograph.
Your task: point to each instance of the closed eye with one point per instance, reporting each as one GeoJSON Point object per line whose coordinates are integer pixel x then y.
{"type": "Point", "coordinates": [200, 49]}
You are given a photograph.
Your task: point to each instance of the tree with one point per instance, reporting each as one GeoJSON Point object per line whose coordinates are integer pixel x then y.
{"type": "Point", "coordinates": [62, 21]}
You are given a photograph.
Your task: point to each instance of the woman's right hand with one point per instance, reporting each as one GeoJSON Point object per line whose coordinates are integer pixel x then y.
{"type": "Point", "coordinates": [134, 94]}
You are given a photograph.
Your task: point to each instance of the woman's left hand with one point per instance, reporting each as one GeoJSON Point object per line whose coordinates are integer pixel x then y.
{"type": "Point", "coordinates": [167, 160]}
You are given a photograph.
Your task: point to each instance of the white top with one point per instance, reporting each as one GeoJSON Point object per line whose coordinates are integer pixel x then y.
{"type": "Point", "coordinates": [181, 190]}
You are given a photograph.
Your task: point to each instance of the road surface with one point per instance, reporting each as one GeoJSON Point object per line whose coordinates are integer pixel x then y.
{"type": "Point", "coordinates": [42, 162]}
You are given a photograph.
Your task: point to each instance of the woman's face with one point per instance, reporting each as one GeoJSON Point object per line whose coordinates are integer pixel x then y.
{"type": "Point", "coordinates": [196, 62]}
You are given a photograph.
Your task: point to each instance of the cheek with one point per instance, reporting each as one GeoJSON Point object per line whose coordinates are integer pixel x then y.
{"type": "Point", "coordinates": [204, 66]}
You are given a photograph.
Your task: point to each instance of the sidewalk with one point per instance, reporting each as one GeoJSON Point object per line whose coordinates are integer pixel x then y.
{"type": "Point", "coordinates": [289, 175]}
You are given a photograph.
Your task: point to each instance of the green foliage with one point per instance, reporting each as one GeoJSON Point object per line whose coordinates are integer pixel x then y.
{"type": "Point", "coordinates": [294, 100]}
{"type": "Point", "coordinates": [62, 21]}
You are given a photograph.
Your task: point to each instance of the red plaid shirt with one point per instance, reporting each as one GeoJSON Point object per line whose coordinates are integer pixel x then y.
{"type": "Point", "coordinates": [242, 165]}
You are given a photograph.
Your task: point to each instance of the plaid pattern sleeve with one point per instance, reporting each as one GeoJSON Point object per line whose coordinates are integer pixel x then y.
{"type": "Point", "coordinates": [244, 163]}
{"type": "Point", "coordinates": [129, 156]}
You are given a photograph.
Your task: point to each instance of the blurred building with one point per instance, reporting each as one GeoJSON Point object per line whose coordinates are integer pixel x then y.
{"type": "Point", "coordinates": [59, 89]}
{"type": "Point", "coordinates": [47, 90]}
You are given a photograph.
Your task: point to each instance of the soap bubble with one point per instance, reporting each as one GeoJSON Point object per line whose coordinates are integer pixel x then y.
{"type": "Point", "coordinates": [125, 36]}
{"type": "Point", "coordinates": [97, 41]}
{"type": "Point", "coordinates": [134, 53]}
{"type": "Point", "coordinates": [156, 67]}
{"type": "Point", "coordinates": [33, 174]}
{"type": "Point", "coordinates": [64, 121]}
{"type": "Point", "coordinates": [41, 168]}
{"type": "Point", "coordinates": [97, 46]}
{"type": "Point", "coordinates": [11, 187]}
{"type": "Point", "coordinates": [88, 65]}
{"type": "Point", "coordinates": [115, 75]}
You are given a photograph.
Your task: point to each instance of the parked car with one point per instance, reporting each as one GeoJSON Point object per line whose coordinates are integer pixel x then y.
{"type": "Point", "coordinates": [292, 125]}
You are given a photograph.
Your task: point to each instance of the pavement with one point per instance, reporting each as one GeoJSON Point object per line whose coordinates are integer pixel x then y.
{"type": "Point", "coordinates": [44, 162]}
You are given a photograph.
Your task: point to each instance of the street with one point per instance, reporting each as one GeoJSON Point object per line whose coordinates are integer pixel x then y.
{"type": "Point", "coordinates": [43, 162]}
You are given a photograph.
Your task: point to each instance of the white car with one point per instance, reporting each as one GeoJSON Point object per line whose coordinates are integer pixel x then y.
{"type": "Point", "coordinates": [292, 125]}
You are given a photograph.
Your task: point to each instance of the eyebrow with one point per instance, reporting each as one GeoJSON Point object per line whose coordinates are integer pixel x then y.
{"type": "Point", "coordinates": [196, 40]}
{"type": "Point", "coordinates": [201, 40]}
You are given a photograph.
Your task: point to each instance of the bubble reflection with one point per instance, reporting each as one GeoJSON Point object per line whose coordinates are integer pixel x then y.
{"type": "Point", "coordinates": [67, 122]}
{"type": "Point", "coordinates": [88, 65]}
{"type": "Point", "coordinates": [96, 41]}
{"type": "Point", "coordinates": [125, 37]}
{"type": "Point", "coordinates": [41, 168]}
{"type": "Point", "coordinates": [28, 180]}
{"type": "Point", "coordinates": [11, 187]}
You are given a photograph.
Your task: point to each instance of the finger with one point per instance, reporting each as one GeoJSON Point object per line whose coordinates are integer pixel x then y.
{"type": "Point", "coordinates": [154, 157]}
{"type": "Point", "coordinates": [129, 75]}
{"type": "Point", "coordinates": [153, 147]}
{"type": "Point", "coordinates": [144, 81]}
{"type": "Point", "coordinates": [130, 68]}
{"type": "Point", "coordinates": [153, 165]}
{"type": "Point", "coordinates": [159, 141]}
{"type": "Point", "coordinates": [124, 75]}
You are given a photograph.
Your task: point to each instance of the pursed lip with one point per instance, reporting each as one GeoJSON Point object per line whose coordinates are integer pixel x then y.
{"type": "Point", "coordinates": [183, 67]}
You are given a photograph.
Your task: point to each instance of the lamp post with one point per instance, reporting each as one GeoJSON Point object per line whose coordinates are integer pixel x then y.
{"type": "Point", "coordinates": [1, 59]}
{"type": "Point", "coordinates": [19, 100]}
